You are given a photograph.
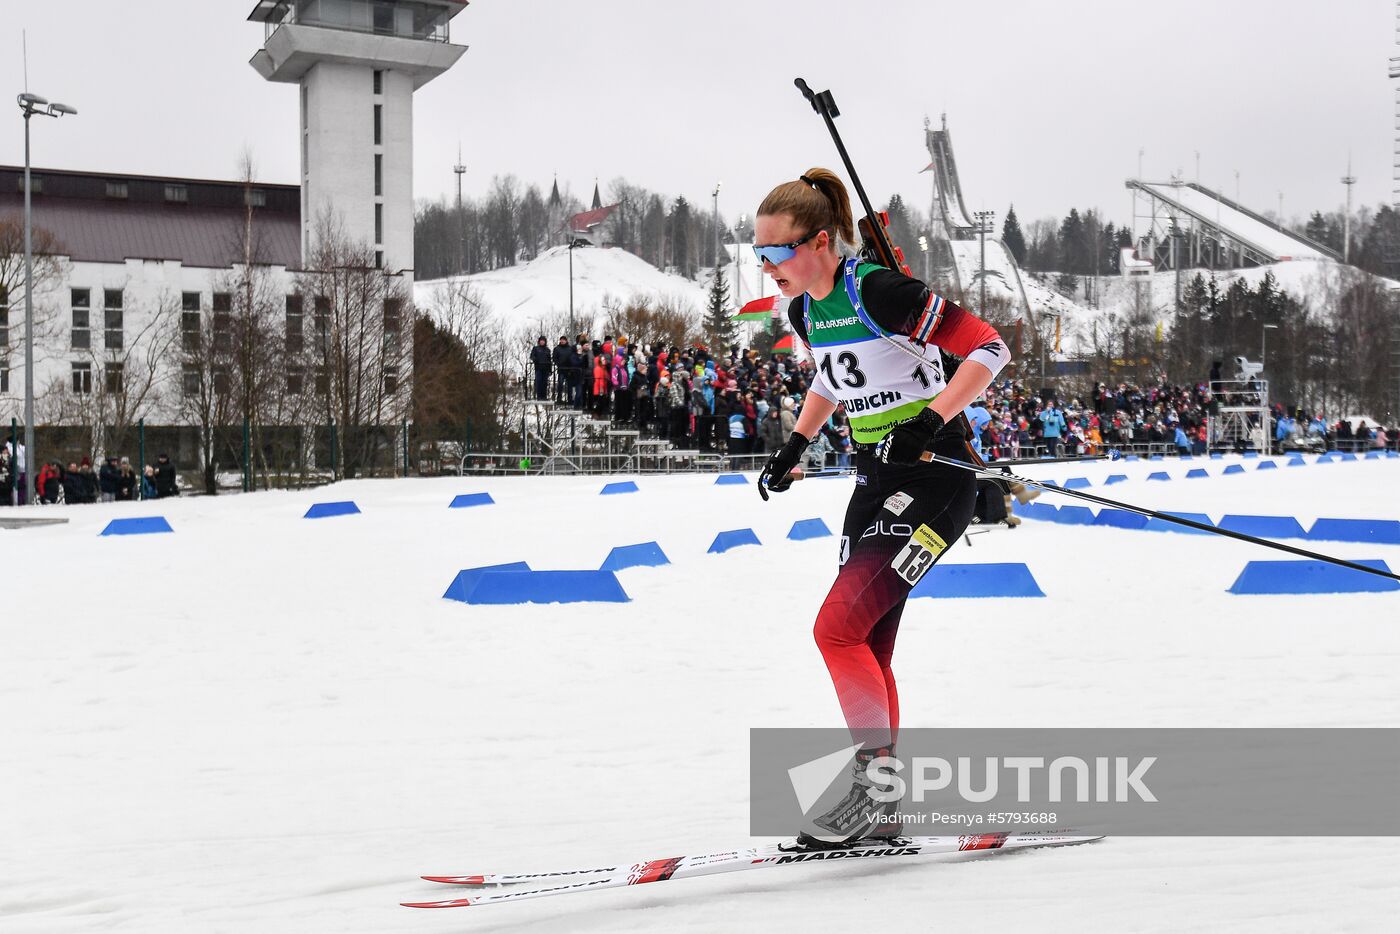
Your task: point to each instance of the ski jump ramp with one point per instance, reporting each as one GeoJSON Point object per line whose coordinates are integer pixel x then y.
{"type": "Point", "coordinates": [1217, 231]}
{"type": "Point", "coordinates": [954, 223]}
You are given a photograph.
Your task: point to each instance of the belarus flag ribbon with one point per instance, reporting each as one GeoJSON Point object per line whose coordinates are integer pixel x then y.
{"type": "Point", "coordinates": [759, 309]}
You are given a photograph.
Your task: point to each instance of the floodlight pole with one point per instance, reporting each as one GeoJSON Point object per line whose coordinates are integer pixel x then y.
{"type": "Point", "coordinates": [30, 104]}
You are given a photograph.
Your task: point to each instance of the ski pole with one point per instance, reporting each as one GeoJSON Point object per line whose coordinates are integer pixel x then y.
{"type": "Point", "coordinates": [991, 474]}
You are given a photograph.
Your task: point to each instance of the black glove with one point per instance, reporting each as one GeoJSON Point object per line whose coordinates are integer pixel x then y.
{"type": "Point", "coordinates": [777, 473]}
{"type": "Point", "coordinates": [910, 439]}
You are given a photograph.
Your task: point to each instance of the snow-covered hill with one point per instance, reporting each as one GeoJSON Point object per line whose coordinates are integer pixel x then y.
{"type": "Point", "coordinates": [538, 291]}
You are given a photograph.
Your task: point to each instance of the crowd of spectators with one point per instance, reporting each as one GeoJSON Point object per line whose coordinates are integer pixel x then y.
{"type": "Point", "coordinates": [740, 402]}
{"type": "Point", "coordinates": [1018, 422]}
{"type": "Point", "coordinates": [115, 480]}
{"type": "Point", "coordinates": [737, 402]}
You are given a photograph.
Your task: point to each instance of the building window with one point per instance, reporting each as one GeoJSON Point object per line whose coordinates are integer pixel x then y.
{"type": "Point", "coordinates": [323, 381]}
{"type": "Point", "coordinates": [378, 81]}
{"type": "Point", "coordinates": [113, 379]}
{"type": "Point", "coordinates": [116, 189]}
{"type": "Point", "coordinates": [379, 223]}
{"type": "Point", "coordinates": [295, 334]}
{"type": "Point", "coordinates": [323, 321]}
{"type": "Point", "coordinates": [189, 322]}
{"type": "Point", "coordinates": [296, 380]}
{"type": "Point", "coordinates": [378, 124]}
{"type": "Point", "coordinates": [177, 193]}
{"type": "Point", "coordinates": [255, 197]}
{"type": "Point", "coordinates": [378, 259]}
{"type": "Point", "coordinates": [190, 380]}
{"type": "Point", "coordinates": [4, 318]}
{"type": "Point", "coordinates": [4, 376]}
{"type": "Point", "coordinates": [82, 337]}
{"type": "Point", "coordinates": [383, 17]}
{"type": "Point", "coordinates": [221, 382]}
{"type": "Point", "coordinates": [82, 378]}
{"type": "Point", "coordinates": [223, 322]}
{"type": "Point", "coordinates": [391, 380]}
{"type": "Point", "coordinates": [378, 174]}
{"type": "Point", "coordinates": [36, 184]}
{"type": "Point", "coordinates": [112, 318]}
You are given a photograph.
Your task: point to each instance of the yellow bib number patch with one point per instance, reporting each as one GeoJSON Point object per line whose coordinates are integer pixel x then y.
{"type": "Point", "coordinates": [918, 554]}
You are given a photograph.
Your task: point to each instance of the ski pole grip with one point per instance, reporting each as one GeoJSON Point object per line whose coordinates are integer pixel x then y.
{"type": "Point", "coordinates": [806, 92]}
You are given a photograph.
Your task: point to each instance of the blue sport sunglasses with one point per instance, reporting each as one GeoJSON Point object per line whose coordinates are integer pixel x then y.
{"type": "Point", "coordinates": [779, 253]}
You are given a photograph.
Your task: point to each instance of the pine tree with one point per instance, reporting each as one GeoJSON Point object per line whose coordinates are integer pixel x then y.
{"type": "Point", "coordinates": [1073, 259]}
{"type": "Point", "coordinates": [720, 329]}
{"type": "Point", "coordinates": [680, 223]}
{"type": "Point", "coordinates": [902, 233]}
{"type": "Point", "coordinates": [1013, 238]}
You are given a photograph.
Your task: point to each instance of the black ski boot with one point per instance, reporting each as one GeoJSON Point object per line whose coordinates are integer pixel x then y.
{"type": "Point", "coordinates": [857, 819]}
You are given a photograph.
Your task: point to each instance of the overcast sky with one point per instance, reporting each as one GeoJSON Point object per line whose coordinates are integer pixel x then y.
{"type": "Point", "coordinates": [1048, 102]}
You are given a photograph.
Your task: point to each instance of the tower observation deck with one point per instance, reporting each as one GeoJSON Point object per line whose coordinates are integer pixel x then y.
{"type": "Point", "coordinates": [357, 63]}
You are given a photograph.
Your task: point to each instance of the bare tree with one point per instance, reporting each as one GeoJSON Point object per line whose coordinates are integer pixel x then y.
{"type": "Point", "coordinates": [50, 270]}
{"type": "Point", "coordinates": [361, 318]}
{"type": "Point", "coordinates": [112, 387]}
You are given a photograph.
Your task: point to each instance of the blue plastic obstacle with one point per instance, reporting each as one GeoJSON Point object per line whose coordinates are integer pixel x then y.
{"type": "Point", "coordinates": [978, 580]}
{"type": "Point", "coordinates": [1159, 475]}
{"type": "Point", "coordinates": [1132, 457]}
{"type": "Point", "coordinates": [1294, 577]}
{"type": "Point", "coordinates": [1297, 462]}
{"type": "Point", "coordinates": [642, 555]}
{"type": "Point", "coordinates": [464, 500]}
{"type": "Point", "coordinates": [1392, 453]}
{"type": "Point", "coordinates": [733, 539]}
{"type": "Point", "coordinates": [1162, 525]}
{"type": "Point", "coordinates": [326, 510]}
{"type": "Point", "coordinates": [1121, 519]}
{"type": "Point", "coordinates": [1074, 515]}
{"type": "Point", "coordinates": [1324, 459]}
{"type": "Point", "coordinates": [1377, 531]}
{"type": "Point", "coordinates": [466, 580]}
{"type": "Point", "coordinates": [1196, 473]}
{"type": "Point", "coordinates": [1216, 455]}
{"type": "Point", "coordinates": [1267, 465]}
{"type": "Point", "coordinates": [1250, 454]}
{"type": "Point", "coordinates": [1077, 483]}
{"type": "Point", "coordinates": [1263, 526]}
{"type": "Point", "coordinates": [1185, 457]}
{"type": "Point", "coordinates": [621, 486]}
{"type": "Point", "coordinates": [1234, 468]}
{"type": "Point", "coordinates": [1116, 478]}
{"type": "Point", "coordinates": [804, 529]}
{"type": "Point", "coordinates": [498, 588]}
{"type": "Point", "coordinates": [1154, 457]}
{"type": "Point", "coordinates": [1034, 510]}
{"type": "Point", "coordinates": [144, 525]}
{"type": "Point", "coordinates": [1373, 455]}
{"type": "Point", "coordinates": [1348, 456]}
{"type": "Point", "coordinates": [731, 479]}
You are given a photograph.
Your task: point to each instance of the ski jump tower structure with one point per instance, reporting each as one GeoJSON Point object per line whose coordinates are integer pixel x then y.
{"type": "Point", "coordinates": [358, 63]}
{"type": "Point", "coordinates": [955, 253]}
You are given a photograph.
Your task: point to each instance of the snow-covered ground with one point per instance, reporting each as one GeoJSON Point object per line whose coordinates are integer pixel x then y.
{"type": "Point", "coordinates": [263, 723]}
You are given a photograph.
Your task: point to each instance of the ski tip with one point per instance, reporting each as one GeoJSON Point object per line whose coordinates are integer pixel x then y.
{"type": "Point", "coordinates": [456, 880]}
{"type": "Point", "coordinates": [450, 903]}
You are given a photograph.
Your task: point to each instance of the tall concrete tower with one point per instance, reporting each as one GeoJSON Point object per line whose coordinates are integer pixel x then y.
{"type": "Point", "coordinates": [358, 63]}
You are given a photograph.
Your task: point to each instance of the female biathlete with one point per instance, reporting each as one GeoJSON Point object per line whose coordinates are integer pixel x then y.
{"type": "Point", "coordinates": [876, 337]}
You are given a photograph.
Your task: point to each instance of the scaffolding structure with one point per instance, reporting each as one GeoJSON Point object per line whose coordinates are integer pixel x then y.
{"type": "Point", "coordinates": [1240, 421]}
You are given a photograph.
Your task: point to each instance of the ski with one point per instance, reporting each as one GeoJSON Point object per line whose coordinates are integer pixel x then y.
{"type": "Point", "coordinates": [763, 857]}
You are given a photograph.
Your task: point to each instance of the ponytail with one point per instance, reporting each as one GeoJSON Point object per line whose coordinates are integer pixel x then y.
{"type": "Point", "coordinates": [817, 199]}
